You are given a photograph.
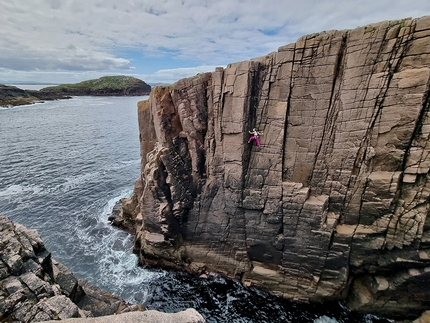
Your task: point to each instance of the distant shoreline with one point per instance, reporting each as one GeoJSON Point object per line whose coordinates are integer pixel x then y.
{"type": "Point", "coordinates": [30, 86]}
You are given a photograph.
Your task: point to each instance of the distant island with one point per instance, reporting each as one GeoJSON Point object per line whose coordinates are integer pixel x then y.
{"type": "Point", "coordinates": [104, 86]}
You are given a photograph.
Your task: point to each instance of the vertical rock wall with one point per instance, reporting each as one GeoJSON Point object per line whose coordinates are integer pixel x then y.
{"type": "Point", "coordinates": [333, 204]}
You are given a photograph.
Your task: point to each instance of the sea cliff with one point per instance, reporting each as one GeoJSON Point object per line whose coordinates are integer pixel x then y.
{"type": "Point", "coordinates": [332, 205]}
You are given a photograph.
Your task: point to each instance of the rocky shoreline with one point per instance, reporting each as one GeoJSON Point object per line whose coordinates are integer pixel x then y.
{"type": "Point", "coordinates": [14, 96]}
{"type": "Point", "coordinates": [104, 86]}
{"type": "Point", "coordinates": [34, 287]}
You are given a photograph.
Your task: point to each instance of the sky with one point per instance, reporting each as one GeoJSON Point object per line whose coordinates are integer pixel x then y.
{"type": "Point", "coordinates": [162, 41]}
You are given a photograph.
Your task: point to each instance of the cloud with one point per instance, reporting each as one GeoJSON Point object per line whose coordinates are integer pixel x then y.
{"type": "Point", "coordinates": [92, 36]}
{"type": "Point", "coordinates": [165, 76]}
{"type": "Point", "coordinates": [174, 74]}
{"type": "Point", "coordinates": [52, 61]}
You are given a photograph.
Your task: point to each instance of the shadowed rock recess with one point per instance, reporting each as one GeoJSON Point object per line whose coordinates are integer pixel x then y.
{"type": "Point", "coordinates": [332, 205]}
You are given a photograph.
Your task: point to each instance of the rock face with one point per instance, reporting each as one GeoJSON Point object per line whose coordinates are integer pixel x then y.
{"type": "Point", "coordinates": [34, 287]}
{"type": "Point", "coordinates": [187, 316]}
{"type": "Point", "coordinates": [333, 204]}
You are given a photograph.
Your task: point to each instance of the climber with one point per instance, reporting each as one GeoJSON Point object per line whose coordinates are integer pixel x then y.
{"type": "Point", "coordinates": [255, 135]}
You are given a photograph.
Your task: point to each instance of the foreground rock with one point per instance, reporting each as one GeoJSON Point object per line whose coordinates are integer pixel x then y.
{"type": "Point", "coordinates": [333, 205]}
{"type": "Point", "coordinates": [424, 318]}
{"type": "Point", "coordinates": [187, 316]}
{"type": "Point", "coordinates": [34, 287]}
{"type": "Point", "coordinates": [122, 215]}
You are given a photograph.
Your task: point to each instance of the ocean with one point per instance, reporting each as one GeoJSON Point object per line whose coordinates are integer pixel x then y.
{"type": "Point", "coordinates": [64, 165]}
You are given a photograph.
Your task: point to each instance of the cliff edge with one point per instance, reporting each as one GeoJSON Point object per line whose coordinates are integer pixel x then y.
{"type": "Point", "coordinates": [332, 205]}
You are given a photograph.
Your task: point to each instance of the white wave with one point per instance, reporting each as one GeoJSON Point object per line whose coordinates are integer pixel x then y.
{"type": "Point", "coordinates": [74, 181]}
{"type": "Point", "coordinates": [130, 162]}
{"type": "Point", "coordinates": [99, 103]}
{"type": "Point", "coordinates": [116, 264]}
{"type": "Point", "coordinates": [325, 319]}
{"type": "Point", "coordinates": [122, 164]}
{"type": "Point", "coordinates": [19, 189]}
{"type": "Point", "coordinates": [107, 208]}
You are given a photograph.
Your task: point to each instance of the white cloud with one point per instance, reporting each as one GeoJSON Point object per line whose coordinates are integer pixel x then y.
{"type": "Point", "coordinates": [174, 74]}
{"type": "Point", "coordinates": [77, 35]}
{"type": "Point", "coordinates": [165, 76]}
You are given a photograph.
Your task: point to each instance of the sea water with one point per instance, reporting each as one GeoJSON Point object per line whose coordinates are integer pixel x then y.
{"type": "Point", "coordinates": [65, 163]}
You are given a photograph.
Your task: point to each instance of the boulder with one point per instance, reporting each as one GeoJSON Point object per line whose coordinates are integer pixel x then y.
{"type": "Point", "coordinates": [150, 316]}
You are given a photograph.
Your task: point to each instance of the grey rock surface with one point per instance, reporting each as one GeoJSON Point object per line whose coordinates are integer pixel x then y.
{"type": "Point", "coordinates": [334, 204]}
{"type": "Point", "coordinates": [150, 316]}
{"type": "Point", "coordinates": [35, 288]}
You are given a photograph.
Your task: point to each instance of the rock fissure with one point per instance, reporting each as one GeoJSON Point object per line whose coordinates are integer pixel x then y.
{"type": "Point", "coordinates": [417, 132]}
{"type": "Point", "coordinates": [286, 118]}
{"type": "Point", "coordinates": [336, 194]}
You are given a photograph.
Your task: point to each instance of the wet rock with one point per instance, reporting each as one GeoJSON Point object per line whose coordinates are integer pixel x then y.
{"type": "Point", "coordinates": [34, 287]}
{"type": "Point", "coordinates": [125, 214]}
{"type": "Point", "coordinates": [100, 303]}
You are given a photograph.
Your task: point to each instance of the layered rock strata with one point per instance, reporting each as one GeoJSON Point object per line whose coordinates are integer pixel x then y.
{"type": "Point", "coordinates": [333, 204]}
